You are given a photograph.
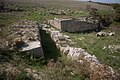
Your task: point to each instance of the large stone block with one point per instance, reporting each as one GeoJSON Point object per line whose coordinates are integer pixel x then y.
{"type": "Point", "coordinates": [74, 25]}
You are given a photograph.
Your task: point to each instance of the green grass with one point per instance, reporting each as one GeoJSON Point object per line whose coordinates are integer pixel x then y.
{"type": "Point", "coordinates": [95, 45]}
{"type": "Point", "coordinates": [39, 16]}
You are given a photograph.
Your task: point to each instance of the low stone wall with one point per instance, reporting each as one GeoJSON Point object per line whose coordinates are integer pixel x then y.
{"type": "Point", "coordinates": [73, 25]}
{"type": "Point", "coordinates": [55, 23]}
{"type": "Point", "coordinates": [79, 54]}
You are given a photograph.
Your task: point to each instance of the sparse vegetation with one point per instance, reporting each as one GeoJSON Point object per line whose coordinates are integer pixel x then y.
{"type": "Point", "coordinates": [55, 66]}
{"type": "Point", "coordinates": [95, 46]}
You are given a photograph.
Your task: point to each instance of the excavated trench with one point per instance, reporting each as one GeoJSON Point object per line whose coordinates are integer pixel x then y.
{"type": "Point", "coordinates": [49, 48]}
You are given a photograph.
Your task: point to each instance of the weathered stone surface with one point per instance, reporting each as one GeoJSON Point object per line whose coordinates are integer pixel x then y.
{"type": "Point", "coordinates": [34, 47]}
{"type": "Point", "coordinates": [27, 32]}
{"type": "Point", "coordinates": [74, 25]}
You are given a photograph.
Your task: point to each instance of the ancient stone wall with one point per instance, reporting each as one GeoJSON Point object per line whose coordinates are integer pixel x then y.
{"type": "Point", "coordinates": [73, 25]}
{"type": "Point", "coordinates": [55, 23]}
{"type": "Point", "coordinates": [80, 55]}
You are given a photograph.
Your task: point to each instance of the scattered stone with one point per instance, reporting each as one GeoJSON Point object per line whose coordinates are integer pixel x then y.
{"type": "Point", "coordinates": [18, 42]}
{"type": "Point", "coordinates": [19, 33]}
{"type": "Point", "coordinates": [46, 26]}
{"type": "Point", "coordinates": [118, 49]}
{"type": "Point", "coordinates": [112, 48]}
{"type": "Point", "coordinates": [72, 73]}
{"type": "Point", "coordinates": [27, 37]}
{"type": "Point", "coordinates": [104, 47]}
{"type": "Point", "coordinates": [111, 33]}
{"type": "Point", "coordinates": [101, 34]}
{"type": "Point", "coordinates": [31, 39]}
{"type": "Point", "coordinates": [66, 37]}
{"type": "Point", "coordinates": [80, 61]}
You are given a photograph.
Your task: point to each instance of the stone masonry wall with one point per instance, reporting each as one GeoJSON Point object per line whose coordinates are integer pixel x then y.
{"type": "Point", "coordinates": [76, 26]}
{"type": "Point", "coordinates": [71, 25]}
{"type": "Point", "coordinates": [55, 23]}
{"type": "Point", "coordinates": [79, 54]}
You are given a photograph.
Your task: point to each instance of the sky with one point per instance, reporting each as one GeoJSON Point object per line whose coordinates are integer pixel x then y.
{"type": "Point", "coordinates": [105, 1]}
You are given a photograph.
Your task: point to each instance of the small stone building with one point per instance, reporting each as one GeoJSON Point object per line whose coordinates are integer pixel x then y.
{"type": "Point", "coordinates": [74, 25]}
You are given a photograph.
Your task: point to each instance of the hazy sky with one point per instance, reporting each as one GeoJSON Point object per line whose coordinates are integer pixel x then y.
{"type": "Point", "coordinates": [106, 1]}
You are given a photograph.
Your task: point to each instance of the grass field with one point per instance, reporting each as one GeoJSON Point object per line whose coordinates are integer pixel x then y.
{"type": "Point", "coordinates": [78, 5]}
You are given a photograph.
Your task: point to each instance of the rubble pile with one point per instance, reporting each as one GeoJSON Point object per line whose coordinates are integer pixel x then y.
{"type": "Point", "coordinates": [26, 37]}
{"type": "Point", "coordinates": [112, 48]}
{"type": "Point", "coordinates": [102, 34]}
{"type": "Point", "coordinates": [26, 30]}
{"type": "Point", "coordinates": [78, 54]}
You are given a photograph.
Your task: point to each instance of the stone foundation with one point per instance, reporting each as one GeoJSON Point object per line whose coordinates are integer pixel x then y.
{"type": "Point", "coordinates": [74, 25]}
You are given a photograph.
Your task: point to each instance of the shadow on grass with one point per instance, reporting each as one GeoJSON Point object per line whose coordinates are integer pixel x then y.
{"type": "Point", "coordinates": [49, 48]}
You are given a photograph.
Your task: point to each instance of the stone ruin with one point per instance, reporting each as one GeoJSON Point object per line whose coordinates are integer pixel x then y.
{"type": "Point", "coordinates": [80, 55]}
{"type": "Point", "coordinates": [75, 25]}
{"type": "Point", "coordinates": [26, 36]}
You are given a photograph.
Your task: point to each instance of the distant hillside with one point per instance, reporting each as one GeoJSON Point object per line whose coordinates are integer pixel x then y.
{"type": "Point", "coordinates": [64, 4]}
